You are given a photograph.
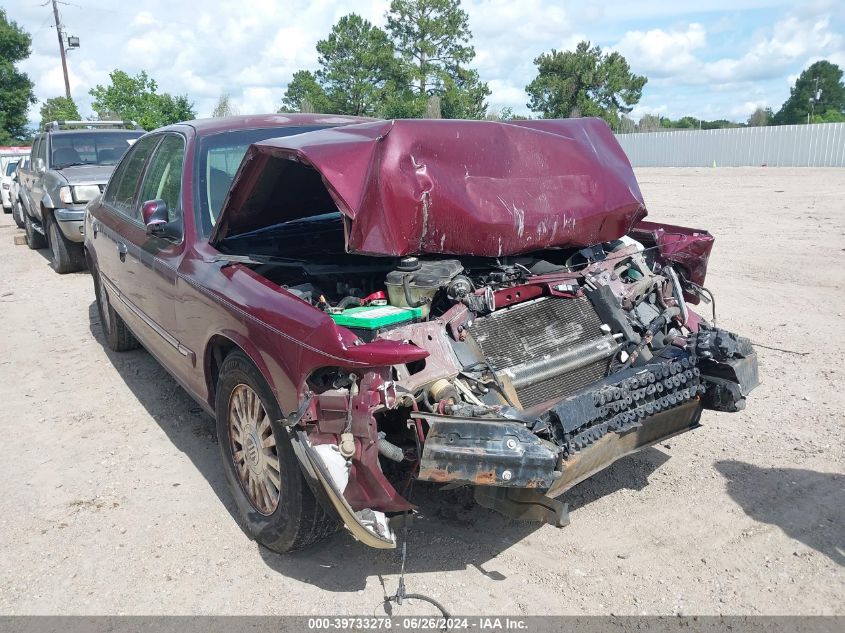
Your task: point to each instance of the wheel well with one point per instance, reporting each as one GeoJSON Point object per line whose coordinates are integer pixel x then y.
{"type": "Point", "coordinates": [216, 350]}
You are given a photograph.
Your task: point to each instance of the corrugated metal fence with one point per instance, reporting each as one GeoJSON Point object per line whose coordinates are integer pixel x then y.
{"type": "Point", "coordinates": [816, 145]}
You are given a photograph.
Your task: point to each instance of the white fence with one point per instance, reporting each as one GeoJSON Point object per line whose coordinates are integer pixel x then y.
{"type": "Point", "coordinates": [816, 145]}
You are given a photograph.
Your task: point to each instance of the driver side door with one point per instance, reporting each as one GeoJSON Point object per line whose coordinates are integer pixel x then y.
{"type": "Point", "coordinates": [149, 279]}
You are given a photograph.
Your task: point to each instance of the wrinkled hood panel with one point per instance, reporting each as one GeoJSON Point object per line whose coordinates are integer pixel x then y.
{"type": "Point", "coordinates": [456, 187]}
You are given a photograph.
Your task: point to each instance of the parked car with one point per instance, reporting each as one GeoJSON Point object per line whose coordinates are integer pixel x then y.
{"type": "Point", "coordinates": [69, 165]}
{"type": "Point", "coordinates": [6, 185]}
{"type": "Point", "coordinates": [15, 192]}
{"type": "Point", "coordinates": [364, 303]}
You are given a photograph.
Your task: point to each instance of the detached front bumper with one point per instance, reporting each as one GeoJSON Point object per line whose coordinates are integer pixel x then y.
{"type": "Point", "coordinates": [507, 454]}
{"type": "Point", "coordinates": [72, 223]}
{"type": "Point", "coordinates": [587, 431]}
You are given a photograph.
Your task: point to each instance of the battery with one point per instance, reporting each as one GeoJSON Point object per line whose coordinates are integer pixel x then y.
{"type": "Point", "coordinates": [375, 317]}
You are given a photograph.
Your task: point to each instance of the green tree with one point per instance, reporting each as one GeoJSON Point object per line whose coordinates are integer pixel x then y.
{"type": "Point", "coordinates": [304, 94]}
{"type": "Point", "coordinates": [831, 116]}
{"type": "Point", "coordinates": [818, 89]}
{"type": "Point", "coordinates": [58, 109]}
{"type": "Point", "coordinates": [684, 123]}
{"type": "Point", "coordinates": [16, 93]}
{"type": "Point", "coordinates": [432, 38]}
{"type": "Point", "coordinates": [464, 96]}
{"type": "Point", "coordinates": [136, 99]}
{"type": "Point", "coordinates": [356, 63]}
{"type": "Point", "coordinates": [174, 109]}
{"type": "Point", "coordinates": [584, 82]}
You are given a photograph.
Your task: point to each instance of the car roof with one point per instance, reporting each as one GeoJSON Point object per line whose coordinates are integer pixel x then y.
{"type": "Point", "coordinates": [255, 121]}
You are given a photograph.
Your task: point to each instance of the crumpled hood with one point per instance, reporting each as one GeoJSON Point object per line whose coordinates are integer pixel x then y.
{"type": "Point", "coordinates": [87, 174]}
{"type": "Point", "coordinates": [456, 187]}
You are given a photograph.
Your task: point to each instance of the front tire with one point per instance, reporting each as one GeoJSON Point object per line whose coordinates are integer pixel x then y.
{"type": "Point", "coordinates": [115, 331]}
{"type": "Point", "coordinates": [17, 214]}
{"type": "Point", "coordinates": [275, 504]}
{"type": "Point", "coordinates": [34, 239]}
{"type": "Point", "coordinates": [67, 256]}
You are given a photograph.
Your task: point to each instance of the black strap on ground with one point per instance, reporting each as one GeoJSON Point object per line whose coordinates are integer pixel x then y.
{"type": "Point", "coordinates": [401, 594]}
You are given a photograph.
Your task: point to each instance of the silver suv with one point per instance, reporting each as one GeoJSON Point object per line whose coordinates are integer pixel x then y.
{"type": "Point", "coordinates": [70, 164]}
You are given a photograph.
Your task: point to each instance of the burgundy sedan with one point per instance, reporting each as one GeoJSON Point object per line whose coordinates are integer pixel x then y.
{"type": "Point", "coordinates": [362, 304]}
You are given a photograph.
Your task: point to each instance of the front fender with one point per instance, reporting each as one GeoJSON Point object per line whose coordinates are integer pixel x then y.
{"type": "Point", "coordinates": [280, 384]}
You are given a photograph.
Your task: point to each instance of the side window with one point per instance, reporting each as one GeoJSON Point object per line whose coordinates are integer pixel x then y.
{"type": "Point", "coordinates": [34, 153]}
{"type": "Point", "coordinates": [42, 151]}
{"type": "Point", "coordinates": [164, 176]}
{"type": "Point", "coordinates": [120, 193]}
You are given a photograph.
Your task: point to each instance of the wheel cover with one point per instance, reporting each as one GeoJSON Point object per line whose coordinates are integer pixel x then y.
{"type": "Point", "coordinates": [254, 449]}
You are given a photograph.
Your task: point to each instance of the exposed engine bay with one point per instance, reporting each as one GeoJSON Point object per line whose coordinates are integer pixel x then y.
{"type": "Point", "coordinates": [530, 361]}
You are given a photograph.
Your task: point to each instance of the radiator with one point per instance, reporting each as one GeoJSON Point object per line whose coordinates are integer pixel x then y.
{"type": "Point", "coordinates": [550, 347]}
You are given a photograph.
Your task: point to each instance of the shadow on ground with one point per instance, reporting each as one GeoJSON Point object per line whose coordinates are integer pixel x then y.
{"type": "Point", "coordinates": [807, 505]}
{"type": "Point", "coordinates": [451, 531]}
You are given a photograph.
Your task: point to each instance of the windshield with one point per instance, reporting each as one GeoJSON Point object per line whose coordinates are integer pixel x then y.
{"type": "Point", "coordinates": [220, 156]}
{"type": "Point", "coordinates": [10, 168]}
{"type": "Point", "coordinates": [90, 148]}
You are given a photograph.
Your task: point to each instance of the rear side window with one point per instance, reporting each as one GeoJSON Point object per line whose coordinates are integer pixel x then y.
{"type": "Point", "coordinates": [42, 150]}
{"type": "Point", "coordinates": [34, 153]}
{"type": "Point", "coordinates": [120, 193]}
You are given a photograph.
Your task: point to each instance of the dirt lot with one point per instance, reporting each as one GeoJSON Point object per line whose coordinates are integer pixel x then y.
{"type": "Point", "coordinates": [113, 500]}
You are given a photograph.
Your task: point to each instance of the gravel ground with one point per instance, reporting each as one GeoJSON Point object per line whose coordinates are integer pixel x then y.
{"type": "Point", "coordinates": [114, 502]}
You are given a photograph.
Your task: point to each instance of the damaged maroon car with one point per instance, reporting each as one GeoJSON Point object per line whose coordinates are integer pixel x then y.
{"type": "Point", "coordinates": [362, 304]}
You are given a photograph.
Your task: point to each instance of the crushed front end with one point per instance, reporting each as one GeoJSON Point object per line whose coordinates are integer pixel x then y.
{"type": "Point", "coordinates": [531, 373]}
{"type": "Point", "coordinates": [495, 309]}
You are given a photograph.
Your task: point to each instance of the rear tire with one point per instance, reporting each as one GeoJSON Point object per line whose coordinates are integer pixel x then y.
{"type": "Point", "coordinates": [34, 239]}
{"type": "Point", "coordinates": [284, 515]}
{"type": "Point", "coordinates": [17, 214]}
{"type": "Point", "coordinates": [115, 331]}
{"type": "Point", "coordinates": [67, 256]}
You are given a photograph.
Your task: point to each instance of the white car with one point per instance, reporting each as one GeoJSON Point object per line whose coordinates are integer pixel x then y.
{"type": "Point", "coordinates": [15, 191]}
{"type": "Point", "coordinates": [6, 184]}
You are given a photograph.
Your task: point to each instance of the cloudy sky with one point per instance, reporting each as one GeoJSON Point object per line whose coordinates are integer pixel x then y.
{"type": "Point", "coordinates": [706, 58]}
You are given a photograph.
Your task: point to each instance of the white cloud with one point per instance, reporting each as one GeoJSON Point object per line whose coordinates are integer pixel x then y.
{"type": "Point", "coordinates": [251, 48]}
{"type": "Point", "coordinates": [659, 53]}
{"type": "Point", "coordinates": [792, 39]}
{"type": "Point", "coordinates": [676, 54]}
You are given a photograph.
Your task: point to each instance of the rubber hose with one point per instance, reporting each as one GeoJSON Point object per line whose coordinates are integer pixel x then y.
{"type": "Point", "coordinates": [389, 450]}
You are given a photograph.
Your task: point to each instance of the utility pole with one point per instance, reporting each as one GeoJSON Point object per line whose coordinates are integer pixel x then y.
{"type": "Point", "coordinates": [814, 98]}
{"type": "Point", "coordinates": [61, 47]}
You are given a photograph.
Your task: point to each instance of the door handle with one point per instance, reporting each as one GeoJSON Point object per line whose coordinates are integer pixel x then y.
{"type": "Point", "coordinates": [121, 251]}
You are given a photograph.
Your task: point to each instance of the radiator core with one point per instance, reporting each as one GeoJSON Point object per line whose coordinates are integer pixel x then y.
{"type": "Point", "coordinates": [550, 347]}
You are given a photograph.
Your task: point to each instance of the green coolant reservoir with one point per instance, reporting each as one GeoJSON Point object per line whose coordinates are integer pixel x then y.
{"type": "Point", "coordinates": [375, 317]}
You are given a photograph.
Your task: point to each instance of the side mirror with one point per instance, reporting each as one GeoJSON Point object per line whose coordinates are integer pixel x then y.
{"type": "Point", "coordinates": [40, 167]}
{"type": "Point", "coordinates": [154, 214]}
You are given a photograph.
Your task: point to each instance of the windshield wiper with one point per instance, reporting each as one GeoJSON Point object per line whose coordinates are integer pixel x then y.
{"type": "Point", "coordinates": [64, 165]}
